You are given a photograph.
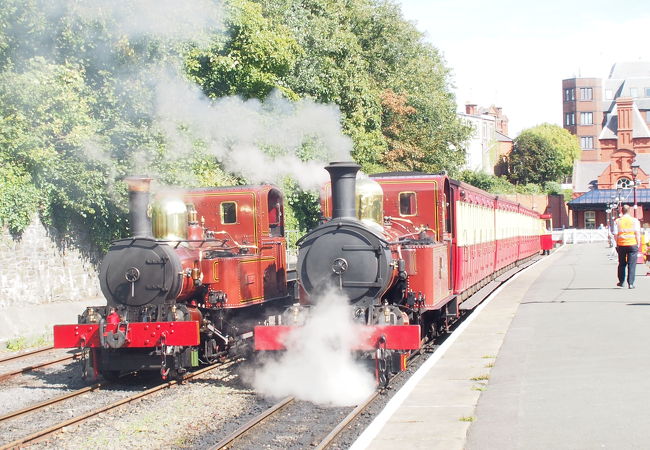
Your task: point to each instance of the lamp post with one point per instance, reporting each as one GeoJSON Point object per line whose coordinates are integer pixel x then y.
{"type": "Point", "coordinates": [635, 172]}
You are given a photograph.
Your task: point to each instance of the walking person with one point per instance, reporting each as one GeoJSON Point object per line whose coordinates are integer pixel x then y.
{"type": "Point", "coordinates": [627, 230]}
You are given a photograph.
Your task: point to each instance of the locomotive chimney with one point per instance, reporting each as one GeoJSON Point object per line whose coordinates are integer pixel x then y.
{"type": "Point", "coordinates": [138, 204]}
{"type": "Point", "coordinates": [344, 179]}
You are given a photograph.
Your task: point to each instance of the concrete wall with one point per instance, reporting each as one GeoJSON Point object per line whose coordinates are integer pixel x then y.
{"type": "Point", "coordinates": [43, 280]}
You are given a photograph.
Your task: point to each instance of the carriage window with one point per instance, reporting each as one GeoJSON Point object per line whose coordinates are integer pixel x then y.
{"type": "Point", "coordinates": [407, 204]}
{"type": "Point", "coordinates": [228, 212]}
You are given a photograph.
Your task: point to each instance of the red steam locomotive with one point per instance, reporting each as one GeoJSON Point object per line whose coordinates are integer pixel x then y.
{"type": "Point", "coordinates": [189, 285]}
{"type": "Point", "coordinates": [407, 250]}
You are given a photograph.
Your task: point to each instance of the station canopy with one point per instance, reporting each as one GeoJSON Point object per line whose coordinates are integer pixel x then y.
{"type": "Point", "coordinates": [601, 198]}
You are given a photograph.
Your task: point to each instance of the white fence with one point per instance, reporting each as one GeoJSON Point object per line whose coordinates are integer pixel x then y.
{"type": "Point", "coordinates": [578, 236]}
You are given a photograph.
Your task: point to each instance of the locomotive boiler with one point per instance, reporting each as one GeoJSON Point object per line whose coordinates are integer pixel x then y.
{"type": "Point", "coordinates": [199, 271]}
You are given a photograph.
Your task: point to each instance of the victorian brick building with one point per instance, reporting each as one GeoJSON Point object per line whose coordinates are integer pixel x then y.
{"type": "Point", "coordinates": [611, 120]}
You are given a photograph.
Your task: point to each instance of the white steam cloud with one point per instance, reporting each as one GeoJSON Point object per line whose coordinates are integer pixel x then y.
{"type": "Point", "coordinates": [236, 131]}
{"type": "Point", "coordinates": [164, 19]}
{"type": "Point", "coordinates": [260, 141]}
{"type": "Point", "coordinates": [318, 365]}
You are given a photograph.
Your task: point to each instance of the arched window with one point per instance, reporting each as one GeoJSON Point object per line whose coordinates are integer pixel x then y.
{"type": "Point", "coordinates": [624, 183]}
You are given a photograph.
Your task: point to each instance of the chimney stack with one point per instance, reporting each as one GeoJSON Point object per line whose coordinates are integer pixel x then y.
{"type": "Point", "coordinates": [625, 121]}
{"type": "Point", "coordinates": [470, 109]}
{"type": "Point", "coordinates": [344, 180]}
{"type": "Point", "coordinates": [138, 204]}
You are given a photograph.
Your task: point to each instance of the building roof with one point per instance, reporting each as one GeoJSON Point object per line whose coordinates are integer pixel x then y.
{"type": "Point", "coordinates": [634, 69]}
{"type": "Point", "coordinates": [601, 197]}
{"type": "Point", "coordinates": [639, 130]}
{"type": "Point", "coordinates": [585, 174]}
{"type": "Point", "coordinates": [502, 137]}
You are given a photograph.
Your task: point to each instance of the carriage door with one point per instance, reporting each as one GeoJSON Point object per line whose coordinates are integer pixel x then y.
{"type": "Point", "coordinates": [447, 224]}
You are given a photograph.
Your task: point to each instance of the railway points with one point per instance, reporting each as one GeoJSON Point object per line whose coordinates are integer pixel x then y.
{"type": "Point", "coordinates": [545, 363]}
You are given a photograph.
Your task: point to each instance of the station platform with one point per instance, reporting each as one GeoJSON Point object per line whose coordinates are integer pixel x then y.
{"type": "Point", "coordinates": [558, 357]}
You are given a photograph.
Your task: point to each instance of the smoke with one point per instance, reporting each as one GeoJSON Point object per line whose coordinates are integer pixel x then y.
{"type": "Point", "coordinates": [160, 19]}
{"type": "Point", "coordinates": [260, 141]}
{"type": "Point", "coordinates": [318, 365]}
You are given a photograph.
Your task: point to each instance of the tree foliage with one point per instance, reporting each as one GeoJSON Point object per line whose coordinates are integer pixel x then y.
{"type": "Point", "coordinates": [542, 153]}
{"type": "Point", "coordinates": [78, 105]}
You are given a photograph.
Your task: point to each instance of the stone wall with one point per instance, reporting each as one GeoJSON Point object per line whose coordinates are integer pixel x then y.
{"type": "Point", "coordinates": [40, 268]}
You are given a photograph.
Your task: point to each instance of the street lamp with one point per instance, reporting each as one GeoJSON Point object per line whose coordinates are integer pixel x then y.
{"type": "Point", "coordinates": [635, 172]}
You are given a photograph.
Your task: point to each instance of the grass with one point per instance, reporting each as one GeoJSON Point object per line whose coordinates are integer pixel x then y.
{"type": "Point", "coordinates": [479, 388]}
{"type": "Point", "coordinates": [467, 419]}
{"type": "Point", "coordinates": [22, 343]}
{"type": "Point", "coordinates": [481, 378]}
{"type": "Point", "coordinates": [488, 357]}
{"type": "Point", "coordinates": [489, 365]}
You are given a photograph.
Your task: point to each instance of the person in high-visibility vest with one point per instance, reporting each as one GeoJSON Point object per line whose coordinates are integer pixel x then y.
{"type": "Point", "coordinates": [627, 230]}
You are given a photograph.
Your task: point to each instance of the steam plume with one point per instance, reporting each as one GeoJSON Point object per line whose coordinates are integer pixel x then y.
{"type": "Point", "coordinates": [318, 365]}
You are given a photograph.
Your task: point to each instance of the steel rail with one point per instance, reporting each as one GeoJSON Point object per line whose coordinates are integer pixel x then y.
{"type": "Point", "coordinates": [41, 434]}
{"type": "Point", "coordinates": [25, 354]}
{"type": "Point", "coordinates": [252, 423]}
{"type": "Point", "coordinates": [51, 401]}
{"type": "Point", "coordinates": [327, 440]}
{"type": "Point", "coordinates": [26, 369]}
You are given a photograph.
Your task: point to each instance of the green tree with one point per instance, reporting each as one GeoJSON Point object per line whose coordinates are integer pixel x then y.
{"type": "Point", "coordinates": [542, 153]}
{"type": "Point", "coordinates": [251, 60]}
{"type": "Point", "coordinates": [562, 140]}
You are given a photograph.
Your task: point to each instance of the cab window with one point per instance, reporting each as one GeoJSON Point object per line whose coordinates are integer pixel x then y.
{"type": "Point", "coordinates": [228, 213]}
{"type": "Point", "coordinates": [407, 204]}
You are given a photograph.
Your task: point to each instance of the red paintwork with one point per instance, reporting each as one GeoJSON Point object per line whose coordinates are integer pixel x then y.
{"type": "Point", "coordinates": [249, 267]}
{"type": "Point", "coordinates": [257, 271]}
{"type": "Point", "coordinates": [396, 337]}
{"type": "Point", "coordinates": [546, 238]}
{"type": "Point", "coordinates": [138, 334]}
{"type": "Point", "coordinates": [445, 268]}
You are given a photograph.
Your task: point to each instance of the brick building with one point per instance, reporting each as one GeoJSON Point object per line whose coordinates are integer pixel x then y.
{"type": "Point", "coordinates": [611, 118]}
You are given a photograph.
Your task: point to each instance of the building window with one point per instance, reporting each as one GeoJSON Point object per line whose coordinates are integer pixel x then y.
{"type": "Point", "coordinates": [590, 220]}
{"type": "Point", "coordinates": [587, 142]}
{"type": "Point", "coordinates": [586, 94]}
{"type": "Point", "coordinates": [569, 119]}
{"type": "Point", "coordinates": [609, 94]}
{"type": "Point", "coordinates": [569, 95]}
{"type": "Point", "coordinates": [634, 92]}
{"type": "Point", "coordinates": [586, 118]}
{"type": "Point", "coordinates": [624, 183]}
{"type": "Point", "coordinates": [647, 116]}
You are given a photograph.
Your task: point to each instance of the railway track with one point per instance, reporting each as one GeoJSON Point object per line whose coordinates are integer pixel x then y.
{"type": "Point", "coordinates": [230, 441]}
{"type": "Point", "coordinates": [51, 430]}
{"type": "Point", "coordinates": [32, 367]}
{"type": "Point", "coordinates": [26, 354]}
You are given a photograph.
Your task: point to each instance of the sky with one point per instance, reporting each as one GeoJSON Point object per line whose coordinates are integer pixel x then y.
{"type": "Point", "coordinates": [515, 53]}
